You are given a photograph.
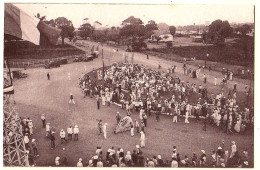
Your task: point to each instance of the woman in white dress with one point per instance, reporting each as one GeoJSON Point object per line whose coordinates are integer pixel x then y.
{"type": "Point", "coordinates": [142, 139]}
{"type": "Point", "coordinates": [103, 98]}
{"type": "Point", "coordinates": [238, 124]}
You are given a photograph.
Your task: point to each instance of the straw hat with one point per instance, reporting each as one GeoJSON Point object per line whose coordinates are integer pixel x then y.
{"type": "Point", "coordinates": [203, 151]}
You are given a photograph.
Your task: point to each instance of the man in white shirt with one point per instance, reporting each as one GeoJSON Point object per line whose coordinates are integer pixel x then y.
{"type": "Point", "coordinates": [76, 132]}
{"type": "Point", "coordinates": [62, 136]}
{"type": "Point", "coordinates": [70, 132]}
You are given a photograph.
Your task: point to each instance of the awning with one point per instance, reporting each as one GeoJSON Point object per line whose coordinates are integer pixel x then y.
{"type": "Point", "coordinates": [19, 24]}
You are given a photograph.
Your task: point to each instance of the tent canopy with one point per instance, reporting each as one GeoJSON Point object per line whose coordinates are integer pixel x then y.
{"type": "Point", "coordinates": [19, 24]}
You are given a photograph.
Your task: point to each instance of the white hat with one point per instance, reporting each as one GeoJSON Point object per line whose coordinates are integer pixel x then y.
{"type": "Point", "coordinates": [203, 151]}
{"type": "Point", "coordinates": [105, 124]}
{"type": "Point", "coordinates": [76, 126]}
{"type": "Point", "coordinates": [57, 158]}
{"type": "Point", "coordinates": [233, 142]}
{"type": "Point", "coordinates": [137, 146]}
{"type": "Point", "coordinates": [159, 157]}
{"type": "Point", "coordinates": [95, 157]}
{"type": "Point", "coordinates": [80, 159]}
{"type": "Point", "coordinates": [183, 162]}
{"type": "Point", "coordinates": [61, 130]}
{"type": "Point", "coordinates": [33, 140]}
{"type": "Point", "coordinates": [219, 147]}
{"type": "Point", "coordinates": [121, 150]}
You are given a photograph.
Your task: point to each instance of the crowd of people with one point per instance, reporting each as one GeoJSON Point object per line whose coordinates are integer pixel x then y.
{"type": "Point", "coordinates": [222, 156]}
{"type": "Point", "coordinates": [137, 88]}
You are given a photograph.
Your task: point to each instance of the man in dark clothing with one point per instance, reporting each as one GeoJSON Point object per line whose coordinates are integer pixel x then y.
{"type": "Point", "coordinates": [52, 140]}
{"type": "Point", "coordinates": [145, 120]}
{"type": "Point", "coordinates": [48, 76]}
{"type": "Point", "coordinates": [98, 103]}
{"type": "Point", "coordinates": [100, 126]}
{"type": "Point", "coordinates": [134, 157]}
{"type": "Point", "coordinates": [140, 160]}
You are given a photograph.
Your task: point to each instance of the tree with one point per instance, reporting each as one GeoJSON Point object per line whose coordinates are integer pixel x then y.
{"type": "Point", "coordinates": [219, 30]}
{"type": "Point", "coordinates": [113, 35]}
{"type": "Point", "coordinates": [158, 38]}
{"type": "Point", "coordinates": [151, 25]}
{"type": "Point", "coordinates": [66, 26]}
{"type": "Point", "coordinates": [134, 31]}
{"type": "Point", "coordinates": [244, 29]}
{"type": "Point", "coordinates": [172, 30]}
{"type": "Point", "coordinates": [85, 30]}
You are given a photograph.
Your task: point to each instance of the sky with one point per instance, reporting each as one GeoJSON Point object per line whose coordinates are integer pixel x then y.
{"type": "Point", "coordinates": [113, 15]}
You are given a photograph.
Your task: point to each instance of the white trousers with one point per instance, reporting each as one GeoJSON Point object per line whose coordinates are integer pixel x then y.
{"type": "Point", "coordinates": [132, 131]}
{"type": "Point", "coordinates": [71, 101]}
{"type": "Point", "coordinates": [174, 120]}
{"type": "Point", "coordinates": [186, 119]}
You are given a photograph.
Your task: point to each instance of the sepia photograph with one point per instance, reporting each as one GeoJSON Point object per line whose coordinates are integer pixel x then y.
{"type": "Point", "coordinates": [128, 85]}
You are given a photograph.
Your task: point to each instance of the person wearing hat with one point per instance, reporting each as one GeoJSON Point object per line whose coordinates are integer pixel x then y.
{"type": "Point", "coordinates": [43, 120]}
{"type": "Point", "coordinates": [35, 150]}
{"type": "Point", "coordinates": [76, 132]}
{"type": "Point", "coordinates": [233, 149]}
{"type": "Point", "coordinates": [62, 136]}
{"type": "Point", "coordinates": [71, 99]}
{"type": "Point", "coordinates": [70, 132]}
{"type": "Point", "coordinates": [142, 139]}
{"type": "Point", "coordinates": [105, 130]}
{"type": "Point", "coordinates": [57, 161]}
{"type": "Point", "coordinates": [80, 164]}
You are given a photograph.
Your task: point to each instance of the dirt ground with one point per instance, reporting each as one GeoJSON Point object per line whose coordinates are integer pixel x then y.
{"type": "Point", "coordinates": [35, 96]}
